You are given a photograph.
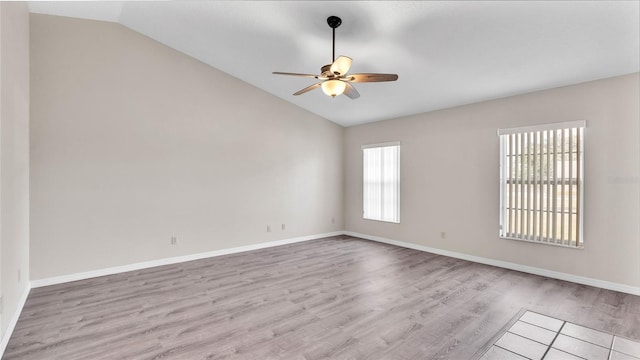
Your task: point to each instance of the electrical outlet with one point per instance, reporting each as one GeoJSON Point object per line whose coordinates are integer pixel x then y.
{"type": "Point", "coordinates": [174, 240]}
{"type": "Point", "coordinates": [282, 227]}
{"type": "Point", "coordinates": [333, 220]}
{"type": "Point", "coordinates": [268, 228]}
{"type": "Point", "coordinates": [443, 235]}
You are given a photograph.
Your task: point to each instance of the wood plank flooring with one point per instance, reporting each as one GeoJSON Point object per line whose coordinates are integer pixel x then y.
{"type": "Point", "coordinates": [333, 298]}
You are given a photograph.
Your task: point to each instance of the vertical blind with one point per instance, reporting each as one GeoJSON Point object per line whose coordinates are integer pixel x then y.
{"type": "Point", "coordinates": [381, 182]}
{"type": "Point", "coordinates": [541, 183]}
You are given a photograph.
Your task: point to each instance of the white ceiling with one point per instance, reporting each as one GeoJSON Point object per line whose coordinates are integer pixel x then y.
{"type": "Point", "coordinates": [446, 53]}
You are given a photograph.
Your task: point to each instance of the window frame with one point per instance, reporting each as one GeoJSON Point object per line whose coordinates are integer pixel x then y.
{"type": "Point", "coordinates": [398, 177]}
{"type": "Point", "coordinates": [504, 177]}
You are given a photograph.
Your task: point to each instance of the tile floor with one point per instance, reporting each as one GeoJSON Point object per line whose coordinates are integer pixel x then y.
{"type": "Point", "coordinates": [534, 336]}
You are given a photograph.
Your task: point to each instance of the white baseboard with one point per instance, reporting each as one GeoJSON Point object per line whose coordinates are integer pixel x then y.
{"type": "Point", "coordinates": [13, 321]}
{"type": "Point", "coordinates": [503, 264]}
{"type": "Point", "coordinates": [173, 260]}
{"type": "Point", "coordinates": [507, 265]}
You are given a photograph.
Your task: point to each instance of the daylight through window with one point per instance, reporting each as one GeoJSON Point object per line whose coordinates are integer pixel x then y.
{"type": "Point", "coordinates": [541, 183]}
{"type": "Point", "coordinates": [381, 182]}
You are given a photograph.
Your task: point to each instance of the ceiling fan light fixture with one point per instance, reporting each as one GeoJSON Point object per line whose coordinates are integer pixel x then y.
{"type": "Point", "coordinates": [333, 88]}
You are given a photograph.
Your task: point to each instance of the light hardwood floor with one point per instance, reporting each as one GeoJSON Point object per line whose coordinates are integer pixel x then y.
{"type": "Point", "coordinates": [333, 298]}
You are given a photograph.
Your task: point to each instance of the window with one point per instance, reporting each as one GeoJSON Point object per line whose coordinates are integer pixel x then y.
{"type": "Point", "coordinates": [541, 183]}
{"type": "Point", "coordinates": [381, 182]}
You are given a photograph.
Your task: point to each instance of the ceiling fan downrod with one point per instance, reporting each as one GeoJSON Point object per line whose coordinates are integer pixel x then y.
{"type": "Point", "coordinates": [334, 22]}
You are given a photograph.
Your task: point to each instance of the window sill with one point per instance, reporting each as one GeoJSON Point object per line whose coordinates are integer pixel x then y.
{"type": "Point", "coordinates": [384, 221]}
{"type": "Point", "coordinates": [581, 247]}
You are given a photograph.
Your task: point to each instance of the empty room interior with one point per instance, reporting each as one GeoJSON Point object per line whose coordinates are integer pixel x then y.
{"type": "Point", "coordinates": [320, 180]}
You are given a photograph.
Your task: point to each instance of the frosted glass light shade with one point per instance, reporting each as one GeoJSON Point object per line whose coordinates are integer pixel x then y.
{"type": "Point", "coordinates": [333, 87]}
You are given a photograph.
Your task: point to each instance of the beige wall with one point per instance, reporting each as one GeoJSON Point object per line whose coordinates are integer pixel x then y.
{"type": "Point", "coordinates": [449, 178]}
{"type": "Point", "coordinates": [133, 142]}
{"type": "Point", "coordinates": [14, 156]}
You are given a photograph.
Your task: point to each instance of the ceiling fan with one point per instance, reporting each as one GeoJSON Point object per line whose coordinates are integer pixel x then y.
{"type": "Point", "coordinates": [335, 80]}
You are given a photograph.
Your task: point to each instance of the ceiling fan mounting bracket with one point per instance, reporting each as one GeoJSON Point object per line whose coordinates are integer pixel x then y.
{"type": "Point", "coordinates": [334, 21]}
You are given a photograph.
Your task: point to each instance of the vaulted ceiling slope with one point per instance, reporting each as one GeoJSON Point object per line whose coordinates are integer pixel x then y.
{"type": "Point", "coordinates": [446, 53]}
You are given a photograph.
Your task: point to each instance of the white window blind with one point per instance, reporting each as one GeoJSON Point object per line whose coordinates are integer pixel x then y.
{"type": "Point", "coordinates": [542, 183]}
{"type": "Point", "coordinates": [381, 182]}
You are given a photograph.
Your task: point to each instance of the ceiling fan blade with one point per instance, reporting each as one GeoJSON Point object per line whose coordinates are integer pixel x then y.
{"type": "Point", "coordinates": [351, 91]}
{"type": "Point", "coordinates": [294, 74]}
{"type": "Point", "coordinates": [341, 65]}
{"type": "Point", "coordinates": [307, 89]}
{"type": "Point", "coordinates": [371, 77]}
